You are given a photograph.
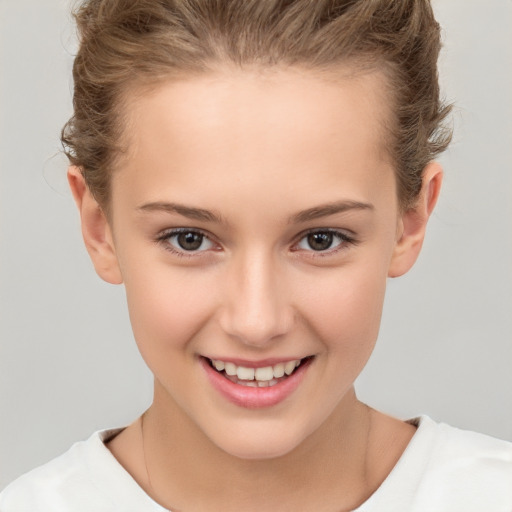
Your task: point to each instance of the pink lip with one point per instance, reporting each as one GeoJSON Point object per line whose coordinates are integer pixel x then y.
{"type": "Point", "coordinates": [255, 398]}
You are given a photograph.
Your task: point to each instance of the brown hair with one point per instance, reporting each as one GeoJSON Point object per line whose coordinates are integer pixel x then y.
{"type": "Point", "coordinates": [125, 43]}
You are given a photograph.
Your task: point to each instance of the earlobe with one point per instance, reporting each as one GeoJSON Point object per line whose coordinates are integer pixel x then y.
{"type": "Point", "coordinates": [413, 222]}
{"type": "Point", "coordinates": [96, 230]}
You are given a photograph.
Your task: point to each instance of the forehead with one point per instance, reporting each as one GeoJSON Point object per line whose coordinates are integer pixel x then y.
{"type": "Point", "coordinates": [257, 127]}
{"type": "Point", "coordinates": [231, 96]}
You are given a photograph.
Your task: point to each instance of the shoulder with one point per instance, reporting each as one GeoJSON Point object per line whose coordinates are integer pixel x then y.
{"type": "Point", "coordinates": [62, 484]}
{"type": "Point", "coordinates": [454, 447]}
{"type": "Point", "coordinates": [446, 469]}
{"type": "Point", "coordinates": [462, 439]}
{"type": "Point", "coordinates": [464, 470]}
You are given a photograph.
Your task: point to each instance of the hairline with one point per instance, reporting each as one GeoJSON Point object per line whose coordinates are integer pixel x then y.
{"type": "Point", "coordinates": [349, 69]}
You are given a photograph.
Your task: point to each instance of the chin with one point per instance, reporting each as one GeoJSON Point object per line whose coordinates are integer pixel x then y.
{"type": "Point", "coordinates": [259, 451]}
{"type": "Point", "coordinates": [252, 444]}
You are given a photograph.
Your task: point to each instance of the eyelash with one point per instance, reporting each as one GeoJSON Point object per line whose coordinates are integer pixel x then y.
{"type": "Point", "coordinates": [345, 241]}
{"type": "Point", "coordinates": [164, 237]}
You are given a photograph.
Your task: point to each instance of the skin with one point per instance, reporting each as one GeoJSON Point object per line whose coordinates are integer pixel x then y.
{"type": "Point", "coordinates": [256, 148]}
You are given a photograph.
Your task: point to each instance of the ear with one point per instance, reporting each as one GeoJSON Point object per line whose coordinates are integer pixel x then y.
{"type": "Point", "coordinates": [413, 222]}
{"type": "Point", "coordinates": [95, 229]}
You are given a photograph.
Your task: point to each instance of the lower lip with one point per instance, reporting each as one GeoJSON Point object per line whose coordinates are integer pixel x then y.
{"type": "Point", "coordinates": [255, 398]}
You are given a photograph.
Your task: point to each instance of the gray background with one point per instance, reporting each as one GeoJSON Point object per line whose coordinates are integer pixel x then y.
{"type": "Point", "coordinates": [68, 362]}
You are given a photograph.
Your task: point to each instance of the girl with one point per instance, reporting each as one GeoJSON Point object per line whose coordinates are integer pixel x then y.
{"type": "Point", "coordinates": [253, 172]}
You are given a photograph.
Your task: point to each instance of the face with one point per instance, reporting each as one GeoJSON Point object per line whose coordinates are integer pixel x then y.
{"type": "Point", "coordinates": [254, 223]}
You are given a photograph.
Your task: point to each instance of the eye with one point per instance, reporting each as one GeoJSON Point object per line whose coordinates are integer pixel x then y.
{"type": "Point", "coordinates": [186, 241]}
{"type": "Point", "coordinates": [323, 240]}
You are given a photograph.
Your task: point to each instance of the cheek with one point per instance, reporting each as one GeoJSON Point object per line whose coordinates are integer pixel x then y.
{"type": "Point", "coordinates": [167, 308]}
{"type": "Point", "coordinates": [345, 309]}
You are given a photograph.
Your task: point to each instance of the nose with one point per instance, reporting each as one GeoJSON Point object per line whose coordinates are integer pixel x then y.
{"type": "Point", "coordinates": [256, 309]}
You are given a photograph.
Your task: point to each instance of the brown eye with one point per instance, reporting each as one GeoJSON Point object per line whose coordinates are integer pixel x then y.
{"type": "Point", "coordinates": [320, 241]}
{"type": "Point", "coordinates": [183, 241]}
{"type": "Point", "coordinates": [323, 241]}
{"type": "Point", "coordinates": [190, 241]}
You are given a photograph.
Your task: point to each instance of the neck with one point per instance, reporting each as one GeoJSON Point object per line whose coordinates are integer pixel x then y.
{"type": "Point", "coordinates": [186, 471]}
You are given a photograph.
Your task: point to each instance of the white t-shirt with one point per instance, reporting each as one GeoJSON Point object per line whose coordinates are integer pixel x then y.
{"type": "Point", "coordinates": [443, 469]}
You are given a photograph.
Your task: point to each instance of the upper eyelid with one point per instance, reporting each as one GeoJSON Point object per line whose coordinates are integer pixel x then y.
{"type": "Point", "coordinates": [344, 234]}
{"type": "Point", "coordinates": [336, 232]}
{"type": "Point", "coordinates": [170, 231]}
{"type": "Point", "coordinates": [167, 233]}
{"type": "Point", "coordinates": [324, 230]}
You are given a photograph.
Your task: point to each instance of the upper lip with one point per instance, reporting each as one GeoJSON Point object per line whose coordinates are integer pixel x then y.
{"type": "Point", "coordinates": [256, 364]}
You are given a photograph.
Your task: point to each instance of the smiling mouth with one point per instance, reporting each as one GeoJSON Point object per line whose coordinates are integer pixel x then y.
{"type": "Point", "coordinates": [262, 377]}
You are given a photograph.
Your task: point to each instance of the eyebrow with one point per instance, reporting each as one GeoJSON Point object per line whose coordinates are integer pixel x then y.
{"type": "Point", "coordinates": [181, 209]}
{"type": "Point", "coordinates": [325, 210]}
{"type": "Point", "coordinates": [201, 214]}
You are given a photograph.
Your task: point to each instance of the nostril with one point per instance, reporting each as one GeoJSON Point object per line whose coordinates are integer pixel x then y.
{"type": "Point", "coordinates": [258, 315]}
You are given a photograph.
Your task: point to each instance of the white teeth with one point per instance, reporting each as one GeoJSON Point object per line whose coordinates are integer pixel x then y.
{"type": "Point", "coordinates": [219, 365]}
{"type": "Point", "coordinates": [267, 383]}
{"type": "Point", "coordinates": [265, 376]}
{"type": "Point", "coordinates": [245, 373]}
{"type": "Point", "coordinates": [278, 370]}
{"type": "Point", "coordinates": [265, 373]}
{"type": "Point", "coordinates": [230, 368]}
{"type": "Point", "coordinates": [289, 367]}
